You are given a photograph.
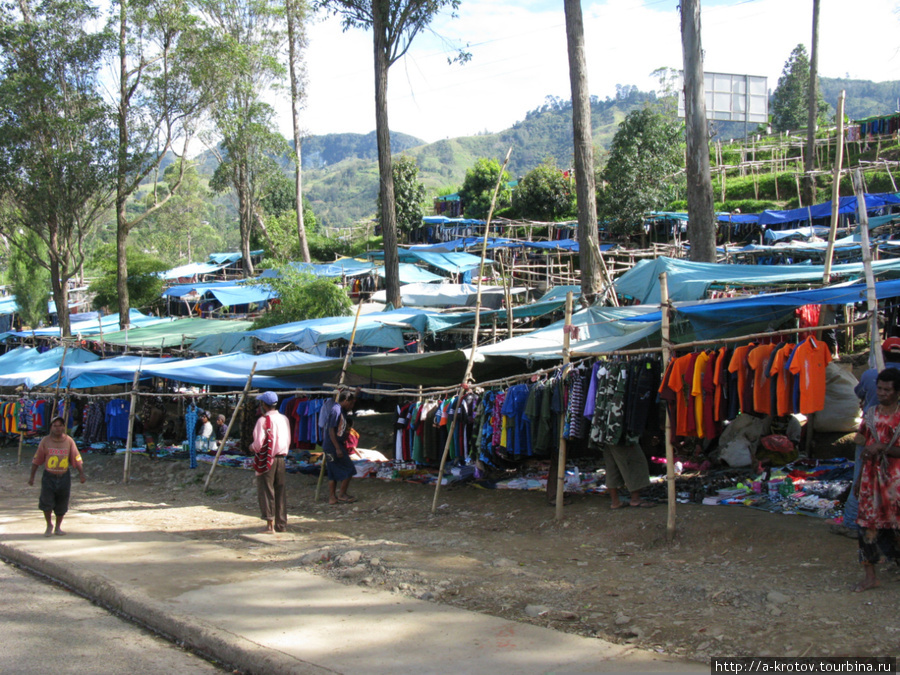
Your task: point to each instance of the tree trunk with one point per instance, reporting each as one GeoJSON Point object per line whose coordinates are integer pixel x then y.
{"type": "Point", "coordinates": [58, 281]}
{"type": "Point", "coordinates": [246, 221]}
{"type": "Point", "coordinates": [382, 131]}
{"type": "Point", "coordinates": [121, 168]}
{"type": "Point", "coordinates": [809, 182]}
{"type": "Point", "coordinates": [701, 215]}
{"type": "Point", "coordinates": [585, 189]}
{"type": "Point", "coordinates": [296, 95]}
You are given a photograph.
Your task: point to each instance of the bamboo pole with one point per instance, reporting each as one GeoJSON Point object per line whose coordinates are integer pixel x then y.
{"type": "Point", "coordinates": [835, 188]}
{"type": "Point", "coordinates": [561, 461]}
{"type": "Point", "coordinates": [62, 364]}
{"type": "Point", "coordinates": [337, 392]}
{"type": "Point", "coordinates": [21, 440]}
{"type": "Point", "coordinates": [131, 413]}
{"type": "Point", "coordinates": [670, 451]}
{"type": "Point", "coordinates": [871, 298]}
{"type": "Point", "coordinates": [234, 415]}
{"type": "Point", "coordinates": [465, 381]}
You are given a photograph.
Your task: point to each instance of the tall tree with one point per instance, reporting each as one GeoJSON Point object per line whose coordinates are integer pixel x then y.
{"type": "Point", "coordinates": [409, 193]}
{"type": "Point", "coordinates": [160, 95]}
{"type": "Point", "coordinates": [790, 100]}
{"type": "Point", "coordinates": [701, 213]}
{"type": "Point", "coordinates": [57, 146]}
{"type": "Point", "coordinates": [478, 188]}
{"type": "Point", "coordinates": [394, 24]}
{"type": "Point", "coordinates": [585, 188]}
{"type": "Point", "coordinates": [297, 12]}
{"type": "Point", "coordinates": [30, 283]}
{"type": "Point", "coordinates": [251, 38]}
{"type": "Point", "coordinates": [809, 184]}
{"type": "Point", "coordinates": [545, 193]}
{"type": "Point", "coordinates": [640, 173]}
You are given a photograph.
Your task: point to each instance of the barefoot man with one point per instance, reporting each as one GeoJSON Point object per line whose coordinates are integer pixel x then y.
{"type": "Point", "coordinates": [56, 453]}
{"type": "Point", "coordinates": [878, 483]}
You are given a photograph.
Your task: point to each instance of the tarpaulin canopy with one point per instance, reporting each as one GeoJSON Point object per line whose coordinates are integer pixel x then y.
{"type": "Point", "coordinates": [197, 289]}
{"type": "Point", "coordinates": [713, 319]}
{"type": "Point", "coordinates": [455, 262]}
{"type": "Point", "coordinates": [346, 267]}
{"type": "Point", "coordinates": [691, 280]}
{"type": "Point", "coordinates": [600, 329]}
{"type": "Point", "coordinates": [817, 211]}
{"type": "Point", "coordinates": [105, 324]}
{"type": "Point", "coordinates": [463, 243]}
{"type": "Point", "coordinates": [230, 296]}
{"type": "Point", "coordinates": [232, 370]}
{"type": "Point", "coordinates": [232, 257]}
{"type": "Point", "coordinates": [191, 270]}
{"type": "Point", "coordinates": [174, 333]}
{"type": "Point", "coordinates": [43, 370]}
{"type": "Point", "coordinates": [413, 274]}
{"type": "Point", "coordinates": [800, 233]}
{"type": "Point", "coordinates": [8, 305]}
{"type": "Point", "coordinates": [117, 370]}
{"type": "Point", "coordinates": [379, 329]}
{"type": "Point", "coordinates": [223, 343]}
{"type": "Point", "coordinates": [449, 295]}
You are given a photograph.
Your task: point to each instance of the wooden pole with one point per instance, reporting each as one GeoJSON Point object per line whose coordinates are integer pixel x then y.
{"type": "Point", "coordinates": [131, 414]}
{"type": "Point", "coordinates": [465, 380]}
{"type": "Point", "coordinates": [21, 440]}
{"type": "Point", "coordinates": [62, 364]}
{"type": "Point", "coordinates": [337, 392]}
{"type": "Point", "coordinates": [670, 451]}
{"type": "Point", "coordinates": [234, 415]}
{"type": "Point", "coordinates": [835, 188]}
{"type": "Point", "coordinates": [561, 462]}
{"type": "Point", "coordinates": [871, 298]}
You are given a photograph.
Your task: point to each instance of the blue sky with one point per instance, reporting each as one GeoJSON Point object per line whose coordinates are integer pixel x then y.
{"type": "Point", "coordinates": [519, 57]}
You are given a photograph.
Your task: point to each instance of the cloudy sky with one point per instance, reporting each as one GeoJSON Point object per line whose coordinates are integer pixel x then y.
{"type": "Point", "coordinates": [519, 57]}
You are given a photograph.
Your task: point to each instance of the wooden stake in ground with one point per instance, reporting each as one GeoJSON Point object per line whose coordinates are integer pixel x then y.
{"type": "Point", "coordinates": [561, 464]}
{"type": "Point", "coordinates": [670, 451]}
{"type": "Point", "coordinates": [871, 298]}
{"type": "Point", "coordinates": [337, 391]}
{"type": "Point", "coordinates": [835, 189]}
{"type": "Point", "coordinates": [21, 440]}
{"type": "Point", "coordinates": [465, 380]}
{"type": "Point", "coordinates": [131, 413]}
{"type": "Point", "coordinates": [234, 415]}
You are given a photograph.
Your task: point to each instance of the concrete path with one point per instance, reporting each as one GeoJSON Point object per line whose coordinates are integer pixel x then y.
{"type": "Point", "coordinates": [263, 618]}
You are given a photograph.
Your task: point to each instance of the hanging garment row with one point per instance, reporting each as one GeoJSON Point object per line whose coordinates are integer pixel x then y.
{"type": "Point", "coordinates": [705, 389]}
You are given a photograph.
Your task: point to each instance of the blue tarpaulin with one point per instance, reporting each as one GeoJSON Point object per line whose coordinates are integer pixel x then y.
{"type": "Point", "coordinates": [191, 270]}
{"type": "Point", "coordinates": [105, 324]}
{"type": "Point", "coordinates": [43, 369]}
{"type": "Point", "coordinates": [232, 370]}
{"type": "Point", "coordinates": [106, 372]}
{"type": "Point", "coordinates": [228, 258]}
{"type": "Point", "coordinates": [691, 280]}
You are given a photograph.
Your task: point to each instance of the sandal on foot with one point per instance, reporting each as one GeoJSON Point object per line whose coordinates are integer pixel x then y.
{"type": "Point", "coordinates": [346, 500]}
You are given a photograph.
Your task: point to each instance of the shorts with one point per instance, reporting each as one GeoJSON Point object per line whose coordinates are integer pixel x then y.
{"type": "Point", "coordinates": [55, 489]}
{"type": "Point", "coordinates": [339, 468]}
{"type": "Point", "coordinates": [626, 467]}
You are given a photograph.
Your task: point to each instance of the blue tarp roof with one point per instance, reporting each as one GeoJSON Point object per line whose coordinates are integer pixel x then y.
{"type": "Point", "coordinates": [453, 262]}
{"type": "Point", "coordinates": [42, 369]}
{"type": "Point", "coordinates": [345, 267]}
{"type": "Point", "coordinates": [117, 370]}
{"type": "Point", "coordinates": [191, 270]}
{"type": "Point", "coordinates": [413, 274]}
{"type": "Point", "coordinates": [109, 324]}
{"type": "Point", "coordinates": [232, 370]}
{"type": "Point", "coordinates": [379, 329]}
{"type": "Point", "coordinates": [230, 296]}
{"type": "Point", "coordinates": [691, 280]}
{"type": "Point", "coordinates": [845, 205]}
{"type": "Point", "coordinates": [801, 232]}
{"type": "Point", "coordinates": [224, 343]}
{"type": "Point", "coordinates": [227, 258]}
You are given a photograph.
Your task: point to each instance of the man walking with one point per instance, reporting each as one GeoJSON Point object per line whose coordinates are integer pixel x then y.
{"type": "Point", "coordinates": [56, 453]}
{"type": "Point", "coordinates": [271, 439]}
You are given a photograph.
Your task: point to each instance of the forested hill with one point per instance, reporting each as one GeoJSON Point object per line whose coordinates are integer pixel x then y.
{"type": "Point", "coordinates": [864, 98]}
{"type": "Point", "coordinates": [320, 152]}
{"type": "Point", "coordinates": [345, 191]}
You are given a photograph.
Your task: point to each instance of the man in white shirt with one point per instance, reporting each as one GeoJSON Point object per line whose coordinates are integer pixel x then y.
{"type": "Point", "coordinates": [271, 439]}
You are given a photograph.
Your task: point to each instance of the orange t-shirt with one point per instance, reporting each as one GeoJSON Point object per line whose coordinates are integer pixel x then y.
{"type": "Point", "coordinates": [784, 386]}
{"type": "Point", "coordinates": [681, 381]}
{"type": "Point", "coordinates": [58, 455]}
{"type": "Point", "coordinates": [757, 360]}
{"type": "Point", "coordinates": [697, 390]}
{"type": "Point", "coordinates": [738, 365]}
{"type": "Point", "coordinates": [810, 359]}
{"type": "Point", "coordinates": [717, 380]}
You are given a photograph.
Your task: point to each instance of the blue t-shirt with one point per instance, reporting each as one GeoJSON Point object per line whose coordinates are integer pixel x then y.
{"type": "Point", "coordinates": [333, 421]}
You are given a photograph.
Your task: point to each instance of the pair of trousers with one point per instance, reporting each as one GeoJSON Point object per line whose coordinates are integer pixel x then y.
{"type": "Point", "coordinates": [851, 507]}
{"type": "Point", "coordinates": [272, 498]}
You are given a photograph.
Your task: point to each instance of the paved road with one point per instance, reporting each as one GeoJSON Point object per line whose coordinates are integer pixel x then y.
{"type": "Point", "coordinates": [47, 629]}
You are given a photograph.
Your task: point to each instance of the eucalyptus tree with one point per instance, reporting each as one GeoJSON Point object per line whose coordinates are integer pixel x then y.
{"type": "Point", "coordinates": [297, 13]}
{"type": "Point", "coordinates": [394, 25]}
{"type": "Point", "coordinates": [57, 145]}
{"type": "Point", "coordinates": [161, 52]}
{"type": "Point", "coordinates": [250, 36]}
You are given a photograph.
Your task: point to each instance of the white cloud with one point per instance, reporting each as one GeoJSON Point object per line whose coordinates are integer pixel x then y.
{"type": "Point", "coordinates": [519, 57]}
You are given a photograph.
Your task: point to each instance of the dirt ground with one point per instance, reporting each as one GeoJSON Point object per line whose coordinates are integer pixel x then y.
{"type": "Point", "coordinates": [735, 581]}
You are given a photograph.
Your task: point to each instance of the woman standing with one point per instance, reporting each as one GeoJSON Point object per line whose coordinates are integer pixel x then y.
{"type": "Point", "coordinates": [878, 484]}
